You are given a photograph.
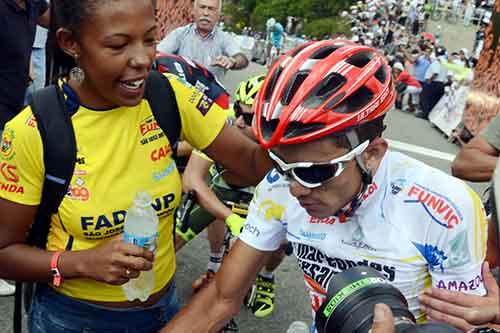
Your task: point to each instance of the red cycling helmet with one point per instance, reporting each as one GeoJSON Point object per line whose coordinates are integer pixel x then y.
{"type": "Point", "coordinates": [319, 88]}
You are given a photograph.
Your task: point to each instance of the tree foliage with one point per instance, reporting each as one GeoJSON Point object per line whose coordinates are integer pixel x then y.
{"type": "Point", "coordinates": [316, 14]}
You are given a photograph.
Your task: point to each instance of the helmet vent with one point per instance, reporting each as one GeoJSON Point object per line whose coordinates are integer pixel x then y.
{"type": "Point", "coordinates": [272, 83]}
{"type": "Point", "coordinates": [293, 86]}
{"type": "Point", "coordinates": [325, 52]}
{"type": "Point", "coordinates": [356, 101]}
{"type": "Point", "coordinates": [331, 84]}
{"type": "Point", "coordinates": [323, 91]}
{"type": "Point", "coordinates": [360, 59]}
{"type": "Point", "coordinates": [268, 127]}
{"type": "Point", "coordinates": [381, 75]}
{"type": "Point", "coordinates": [296, 128]}
{"type": "Point", "coordinates": [298, 49]}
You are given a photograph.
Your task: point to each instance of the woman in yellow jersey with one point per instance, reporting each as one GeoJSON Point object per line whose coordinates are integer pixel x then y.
{"type": "Point", "coordinates": [119, 152]}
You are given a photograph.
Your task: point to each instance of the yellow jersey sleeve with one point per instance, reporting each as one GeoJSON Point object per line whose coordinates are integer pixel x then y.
{"type": "Point", "coordinates": [202, 119]}
{"type": "Point", "coordinates": [21, 160]}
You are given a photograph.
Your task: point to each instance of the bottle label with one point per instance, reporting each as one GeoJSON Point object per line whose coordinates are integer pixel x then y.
{"type": "Point", "coordinates": [147, 242]}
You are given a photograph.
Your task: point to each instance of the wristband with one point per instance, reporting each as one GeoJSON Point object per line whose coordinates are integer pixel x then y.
{"type": "Point", "coordinates": [56, 274]}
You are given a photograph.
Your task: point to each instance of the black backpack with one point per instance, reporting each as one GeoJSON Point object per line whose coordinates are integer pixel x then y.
{"type": "Point", "coordinates": [59, 155]}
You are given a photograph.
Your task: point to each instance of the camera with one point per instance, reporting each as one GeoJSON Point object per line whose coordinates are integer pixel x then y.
{"type": "Point", "coordinates": [351, 297]}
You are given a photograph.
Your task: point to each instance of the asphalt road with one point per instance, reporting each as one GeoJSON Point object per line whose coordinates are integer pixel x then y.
{"type": "Point", "coordinates": [292, 302]}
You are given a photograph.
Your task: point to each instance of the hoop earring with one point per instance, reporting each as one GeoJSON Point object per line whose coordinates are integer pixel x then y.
{"type": "Point", "coordinates": [77, 74]}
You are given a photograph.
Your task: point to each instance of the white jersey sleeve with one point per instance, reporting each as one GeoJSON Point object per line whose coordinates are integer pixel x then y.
{"type": "Point", "coordinates": [265, 226]}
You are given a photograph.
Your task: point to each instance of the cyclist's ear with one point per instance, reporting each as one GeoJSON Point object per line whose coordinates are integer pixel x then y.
{"type": "Point", "coordinates": [374, 153]}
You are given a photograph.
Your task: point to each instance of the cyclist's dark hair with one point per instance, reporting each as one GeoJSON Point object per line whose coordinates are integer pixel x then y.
{"type": "Point", "coordinates": [69, 14]}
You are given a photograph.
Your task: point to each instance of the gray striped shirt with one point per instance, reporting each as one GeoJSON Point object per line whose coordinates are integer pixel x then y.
{"type": "Point", "coordinates": [187, 42]}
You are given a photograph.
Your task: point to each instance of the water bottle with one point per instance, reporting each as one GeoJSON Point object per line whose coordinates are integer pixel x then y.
{"type": "Point", "coordinates": [141, 229]}
{"type": "Point", "coordinates": [298, 327]}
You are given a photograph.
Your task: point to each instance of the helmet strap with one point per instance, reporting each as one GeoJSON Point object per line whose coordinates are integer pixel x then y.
{"type": "Point", "coordinates": [366, 178]}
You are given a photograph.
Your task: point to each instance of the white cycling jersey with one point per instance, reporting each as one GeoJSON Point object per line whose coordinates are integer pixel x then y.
{"type": "Point", "coordinates": [417, 226]}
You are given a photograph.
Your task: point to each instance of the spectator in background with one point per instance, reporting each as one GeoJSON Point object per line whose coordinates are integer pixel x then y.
{"type": "Point", "coordinates": [275, 36]}
{"type": "Point", "coordinates": [409, 86]}
{"type": "Point", "coordinates": [433, 90]}
{"type": "Point", "coordinates": [204, 42]}
{"type": "Point", "coordinates": [38, 61]}
{"type": "Point", "coordinates": [17, 32]}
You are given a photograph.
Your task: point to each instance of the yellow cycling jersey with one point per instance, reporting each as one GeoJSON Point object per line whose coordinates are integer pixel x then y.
{"type": "Point", "coordinates": [119, 152]}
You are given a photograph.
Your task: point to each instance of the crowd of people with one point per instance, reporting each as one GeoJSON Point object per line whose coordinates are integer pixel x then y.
{"type": "Point", "coordinates": [329, 188]}
{"type": "Point", "coordinates": [422, 67]}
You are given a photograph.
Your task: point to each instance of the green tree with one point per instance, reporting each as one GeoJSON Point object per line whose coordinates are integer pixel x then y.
{"type": "Point", "coordinates": [326, 26]}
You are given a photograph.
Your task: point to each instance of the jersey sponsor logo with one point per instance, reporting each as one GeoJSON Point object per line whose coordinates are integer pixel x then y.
{"type": "Point", "coordinates": [438, 207]}
{"type": "Point", "coordinates": [31, 121]}
{"type": "Point", "coordinates": [458, 251]}
{"type": "Point", "coordinates": [78, 191]}
{"type": "Point", "coordinates": [159, 175]}
{"type": "Point", "coordinates": [272, 176]}
{"type": "Point", "coordinates": [398, 185]}
{"type": "Point", "coordinates": [80, 160]}
{"type": "Point", "coordinates": [152, 138]}
{"type": "Point", "coordinates": [271, 210]}
{"type": "Point", "coordinates": [201, 86]}
{"type": "Point", "coordinates": [204, 104]}
{"type": "Point", "coordinates": [357, 240]}
{"type": "Point", "coordinates": [321, 268]}
{"type": "Point", "coordinates": [111, 224]}
{"type": "Point", "coordinates": [8, 172]}
{"type": "Point", "coordinates": [11, 188]}
{"type": "Point", "coordinates": [165, 205]}
{"type": "Point", "coordinates": [148, 125]}
{"type": "Point", "coordinates": [104, 225]}
{"type": "Point", "coordinates": [434, 256]}
{"type": "Point", "coordinates": [462, 285]}
{"type": "Point", "coordinates": [252, 229]}
{"type": "Point", "coordinates": [325, 220]}
{"type": "Point", "coordinates": [372, 188]}
{"type": "Point", "coordinates": [313, 236]}
{"type": "Point", "coordinates": [161, 153]}
{"type": "Point", "coordinates": [6, 150]}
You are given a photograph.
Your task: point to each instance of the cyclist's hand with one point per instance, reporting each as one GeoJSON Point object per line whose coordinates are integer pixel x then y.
{"type": "Point", "coordinates": [383, 320]}
{"type": "Point", "coordinates": [452, 307]}
{"type": "Point", "coordinates": [115, 262]}
{"type": "Point", "coordinates": [224, 62]}
{"type": "Point", "coordinates": [235, 223]}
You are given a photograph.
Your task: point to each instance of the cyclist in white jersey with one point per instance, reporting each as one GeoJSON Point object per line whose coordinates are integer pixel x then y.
{"type": "Point", "coordinates": [339, 195]}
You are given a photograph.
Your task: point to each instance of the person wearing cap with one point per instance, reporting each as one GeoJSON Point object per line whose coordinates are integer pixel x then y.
{"type": "Point", "coordinates": [411, 87]}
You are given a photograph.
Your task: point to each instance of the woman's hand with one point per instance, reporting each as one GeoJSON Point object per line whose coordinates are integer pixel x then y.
{"type": "Point", "coordinates": [115, 262]}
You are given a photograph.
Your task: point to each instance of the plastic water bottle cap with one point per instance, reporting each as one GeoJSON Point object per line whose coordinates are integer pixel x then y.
{"type": "Point", "coordinates": [298, 327]}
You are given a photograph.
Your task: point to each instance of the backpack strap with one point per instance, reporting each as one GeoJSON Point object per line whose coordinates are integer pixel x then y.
{"type": "Point", "coordinates": [59, 156]}
{"type": "Point", "coordinates": [161, 97]}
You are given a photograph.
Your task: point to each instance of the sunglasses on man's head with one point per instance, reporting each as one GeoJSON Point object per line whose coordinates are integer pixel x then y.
{"type": "Point", "coordinates": [313, 174]}
{"type": "Point", "coordinates": [238, 111]}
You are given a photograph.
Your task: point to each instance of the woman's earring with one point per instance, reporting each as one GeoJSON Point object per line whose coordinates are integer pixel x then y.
{"type": "Point", "coordinates": [76, 73]}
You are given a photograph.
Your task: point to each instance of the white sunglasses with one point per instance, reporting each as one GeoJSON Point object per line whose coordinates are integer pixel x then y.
{"type": "Point", "coordinates": [314, 174]}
